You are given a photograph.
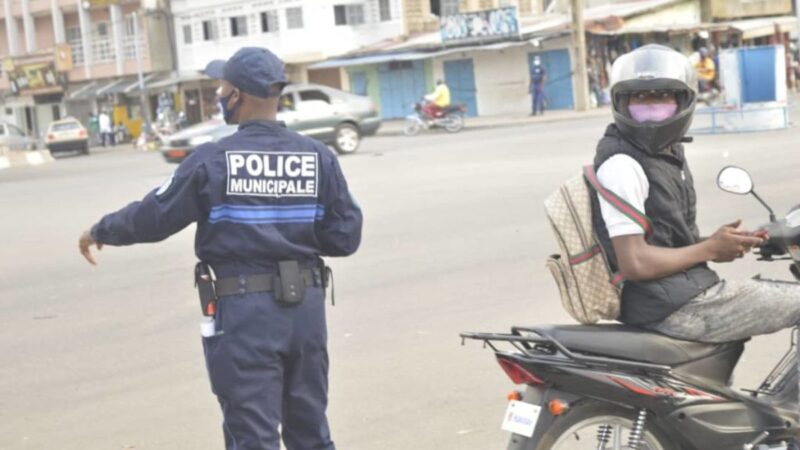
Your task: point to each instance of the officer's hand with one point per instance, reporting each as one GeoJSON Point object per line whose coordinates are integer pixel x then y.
{"type": "Point", "coordinates": [85, 244]}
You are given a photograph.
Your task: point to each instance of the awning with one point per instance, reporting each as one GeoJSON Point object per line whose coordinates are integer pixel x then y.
{"type": "Point", "coordinates": [78, 92]}
{"type": "Point", "coordinates": [93, 89]}
{"type": "Point", "coordinates": [174, 79]}
{"type": "Point", "coordinates": [133, 88]}
{"type": "Point", "coordinates": [115, 87]}
{"type": "Point", "coordinates": [755, 28]}
{"type": "Point", "coordinates": [412, 56]}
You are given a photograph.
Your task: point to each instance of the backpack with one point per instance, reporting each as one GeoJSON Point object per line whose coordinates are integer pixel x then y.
{"type": "Point", "coordinates": [589, 290]}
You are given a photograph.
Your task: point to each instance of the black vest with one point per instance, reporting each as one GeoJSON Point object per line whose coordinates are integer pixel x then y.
{"type": "Point", "coordinates": [671, 207]}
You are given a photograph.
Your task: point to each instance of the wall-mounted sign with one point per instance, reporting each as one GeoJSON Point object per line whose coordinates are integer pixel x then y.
{"type": "Point", "coordinates": [493, 24]}
{"type": "Point", "coordinates": [36, 77]}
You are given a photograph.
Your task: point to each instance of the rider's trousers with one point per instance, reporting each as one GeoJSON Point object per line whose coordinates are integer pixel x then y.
{"type": "Point", "coordinates": [733, 310]}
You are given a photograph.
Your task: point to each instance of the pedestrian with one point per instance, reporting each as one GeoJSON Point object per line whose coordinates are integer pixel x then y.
{"type": "Point", "coordinates": [268, 204]}
{"type": "Point", "coordinates": [106, 131]}
{"type": "Point", "coordinates": [538, 76]}
{"type": "Point", "coordinates": [94, 128]}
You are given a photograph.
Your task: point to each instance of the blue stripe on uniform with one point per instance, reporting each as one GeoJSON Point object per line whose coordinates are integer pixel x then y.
{"type": "Point", "coordinates": [267, 214]}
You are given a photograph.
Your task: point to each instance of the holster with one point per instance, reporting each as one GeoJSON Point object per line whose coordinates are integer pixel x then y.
{"type": "Point", "coordinates": [290, 288]}
{"type": "Point", "coordinates": [204, 281]}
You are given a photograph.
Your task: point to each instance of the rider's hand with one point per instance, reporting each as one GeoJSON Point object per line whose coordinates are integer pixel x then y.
{"type": "Point", "coordinates": [84, 243]}
{"type": "Point", "coordinates": [730, 243]}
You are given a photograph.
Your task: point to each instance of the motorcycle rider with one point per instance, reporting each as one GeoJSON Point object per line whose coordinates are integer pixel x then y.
{"type": "Point", "coordinates": [669, 287]}
{"type": "Point", "coordinates": [706, 70]}
{"type": "Point", "coordinates": [437, 101]}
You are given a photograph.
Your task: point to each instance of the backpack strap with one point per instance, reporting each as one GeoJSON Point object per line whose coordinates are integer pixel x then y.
{"type": "Point", "coordinates": [618, 202]}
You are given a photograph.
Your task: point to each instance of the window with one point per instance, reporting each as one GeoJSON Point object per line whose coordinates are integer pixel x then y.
{"type": "Point", "coordinates": [385, 7]}
{"type": "Point", "coordinates": [401, 65]}
{"type": "Point", "coordinates": [314, 95]}
{"type": "Point", "coordinates": [444, 8]}
{"type": "Point", "coordinates": [287, 102]}
{"type": "Point", "coordinates": [187, 34]}
{"type": "Point", "coordinates": [129, 40]}
{"type": "Point", "coordinates": [14, 131]}
{"type": "Point", "coordinates": [348, 14]}
{"type": "Point", "coordinates": [102, 48]}
{"type": "Point", "coordinates": [56, 112]}
{"type": "Point", "coordinates": [209, 30]}
{"type": "Point", "coordinates": [269, 21]}
{"type": "Point", "coordinates": [76, 42]}
{"type": "Point", "coordinates": [294, 18]}
{"type": "Point", "coordinates": [238, 26]}
{"type": "Point", "coordinates": [2, 130]}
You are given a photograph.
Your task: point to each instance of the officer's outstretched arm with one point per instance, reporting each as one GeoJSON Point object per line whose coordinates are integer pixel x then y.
{"type": "Point", "coordinates": [339, 231]}
{"type": "Point", "coordinates": [163, 212]}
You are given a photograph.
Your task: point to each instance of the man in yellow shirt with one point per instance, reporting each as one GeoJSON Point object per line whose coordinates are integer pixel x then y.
{"type": "Point", "coordinates": [439, 100]}
{"type": "Point", "coordinates": [706, 70]}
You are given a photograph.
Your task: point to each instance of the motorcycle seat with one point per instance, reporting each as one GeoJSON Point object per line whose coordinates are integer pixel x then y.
{"type": "Point", "coordinates": [633, 343]}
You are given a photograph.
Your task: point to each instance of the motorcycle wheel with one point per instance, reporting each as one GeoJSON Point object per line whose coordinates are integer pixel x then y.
{"type": "Point", "coordinates": [579, 428]}
{"type": "Point", "coordinates": [454, 123]}
{"type": "Point", "coordinates": [412, 127]}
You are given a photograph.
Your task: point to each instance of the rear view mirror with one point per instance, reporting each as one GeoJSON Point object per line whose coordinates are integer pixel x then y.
{"type": "Point", "coordinates": [735, 180]}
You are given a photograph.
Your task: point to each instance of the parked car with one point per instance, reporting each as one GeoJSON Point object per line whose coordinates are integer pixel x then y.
{"type": "Point", "coordinates": [67, 135]}
{"type": "Point", "coordinates": [13, 138]}
{"type": "Point", "coordinates": [334, 117]}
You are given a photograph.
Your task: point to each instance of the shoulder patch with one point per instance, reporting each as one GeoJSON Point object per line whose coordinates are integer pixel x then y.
{"type": "Point", "coordinates": [164, 188]}
{"type": "Point", "coordinates": [273, 174]}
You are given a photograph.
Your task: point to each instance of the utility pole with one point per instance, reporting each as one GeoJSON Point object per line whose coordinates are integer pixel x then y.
{"type": "Point", "coordinates": [142, 97]}
{"type": "Point", "coordinates": [579, 44]}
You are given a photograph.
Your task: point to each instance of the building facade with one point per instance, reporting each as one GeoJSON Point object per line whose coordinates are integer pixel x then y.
{"type": "Point", "coordinates": [73, 57]}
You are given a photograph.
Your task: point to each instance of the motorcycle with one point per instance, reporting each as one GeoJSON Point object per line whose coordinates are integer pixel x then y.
{"type": "Point", "coordinates": [613, 386]}
{"type": "Point", "coordinates": [450, 118]}
{"type": "Point", "coordinates": [709, 95]}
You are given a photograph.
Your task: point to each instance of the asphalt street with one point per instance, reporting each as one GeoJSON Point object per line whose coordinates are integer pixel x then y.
{"type": "Point", "coordinates": [455, 239]}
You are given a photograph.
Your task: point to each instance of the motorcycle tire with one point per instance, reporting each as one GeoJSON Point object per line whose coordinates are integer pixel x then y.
{"type": "Point", "coordinates": [588, 416]}
{"type": "Point", "coordinates": [412, 127]}
{"type": "Point", "coordinates": [455, 123]}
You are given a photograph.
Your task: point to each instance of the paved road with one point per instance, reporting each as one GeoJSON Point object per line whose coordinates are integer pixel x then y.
{"type": "Point", "coordinates": [109, 357]}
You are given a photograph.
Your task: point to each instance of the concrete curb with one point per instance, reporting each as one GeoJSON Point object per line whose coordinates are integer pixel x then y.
{"type": "Point", "coordinates": [10, 159]}
{"type": "Point", "coordinates": [395, 127]}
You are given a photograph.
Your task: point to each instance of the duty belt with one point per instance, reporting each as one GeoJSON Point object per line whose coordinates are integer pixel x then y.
{"type": "Point", "coordinates": [265, 282]}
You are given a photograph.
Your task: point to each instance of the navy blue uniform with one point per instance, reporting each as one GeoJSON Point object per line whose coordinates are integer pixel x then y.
{"type": "Point", "coordinates": [262, 195]}
{"type": "Point", "coordinates": [538, 74]}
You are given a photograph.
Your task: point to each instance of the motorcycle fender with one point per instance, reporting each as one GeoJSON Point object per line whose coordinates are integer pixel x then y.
{"type": "Point", "coordinates": [539, 395]}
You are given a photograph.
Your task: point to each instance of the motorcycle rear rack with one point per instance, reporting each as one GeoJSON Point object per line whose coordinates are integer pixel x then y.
{"type": "Point", "coordinates": [538, 346]}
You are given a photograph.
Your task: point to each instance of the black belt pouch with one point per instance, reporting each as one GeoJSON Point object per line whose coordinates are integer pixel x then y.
{"type": "Point", "coordinates": [291, 288]}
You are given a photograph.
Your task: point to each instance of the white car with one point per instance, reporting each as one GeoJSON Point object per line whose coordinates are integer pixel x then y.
{"type": "Point", "coordinates": [13, 138]}
{"type": "Point", "coordinates": [67, 135]}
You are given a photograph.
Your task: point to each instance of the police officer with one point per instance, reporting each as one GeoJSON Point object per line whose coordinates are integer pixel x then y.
{"type": "Point", "coordinates": [538, 76]}
{"type": "Point", "coordinates": [268, 203]}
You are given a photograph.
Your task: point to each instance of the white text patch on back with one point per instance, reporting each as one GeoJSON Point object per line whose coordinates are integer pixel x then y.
{"type": "Point", "coordinates": [273, 174]}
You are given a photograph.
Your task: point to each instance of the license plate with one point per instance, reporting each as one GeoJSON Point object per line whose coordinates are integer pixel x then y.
{"type": "Point", "coordinates": [176, 153]}
{"type": "Point", "coordinates": [521, 418]}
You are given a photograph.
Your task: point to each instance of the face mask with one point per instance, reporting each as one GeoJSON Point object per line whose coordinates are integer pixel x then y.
{"type": "Point", "coordinates": [228, 113]}
{"type": "Point", "coordinates": [655, 112]}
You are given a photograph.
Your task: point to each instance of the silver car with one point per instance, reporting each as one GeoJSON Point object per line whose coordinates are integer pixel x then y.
{"type": "Point", "coordinates": [13, 138]}
{"type": "Point", "coordinates": [334, 117]}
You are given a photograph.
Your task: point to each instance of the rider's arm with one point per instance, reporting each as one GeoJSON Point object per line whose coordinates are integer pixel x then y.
{"type": "Point", "coordinates": [639, 260]}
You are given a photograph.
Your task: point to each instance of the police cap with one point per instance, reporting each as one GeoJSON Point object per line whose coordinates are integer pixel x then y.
{"type": "Point", "coordinates": [253, 70]}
